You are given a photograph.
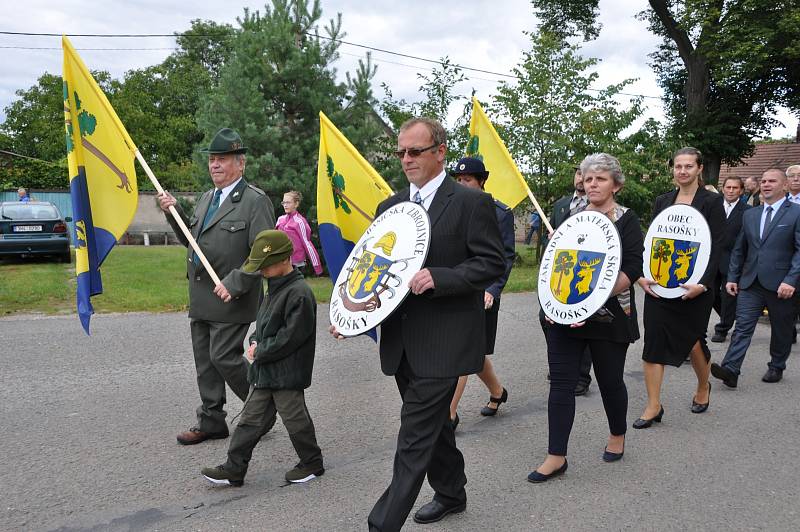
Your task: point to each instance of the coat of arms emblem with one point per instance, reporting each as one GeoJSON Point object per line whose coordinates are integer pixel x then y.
{"type": "Point", "coordinates": [374, 280]}
{"type": "Point", "coordinates": [677, 249]}
{"type": "Point", "coordinates": [579, 267]}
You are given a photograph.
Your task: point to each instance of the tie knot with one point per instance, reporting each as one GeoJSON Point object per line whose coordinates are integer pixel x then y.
{"type": "Point", "coordinates": [769, 208]}
{"type": "Point", "coordinates": [417, 197]}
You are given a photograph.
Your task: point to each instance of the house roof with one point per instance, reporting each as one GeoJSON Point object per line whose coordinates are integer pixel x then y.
{"type": "Point", "coordinates": [765, 156]}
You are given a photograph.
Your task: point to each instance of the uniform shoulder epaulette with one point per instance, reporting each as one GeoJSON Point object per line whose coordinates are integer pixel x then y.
{"type": "Point", "coordinates": [502, 205]}
{"type": "Point", "coordinates": [256, 189]}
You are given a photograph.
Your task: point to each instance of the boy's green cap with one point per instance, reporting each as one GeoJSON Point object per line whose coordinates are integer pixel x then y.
{"type": "Point", "coordinates": [270, 247]}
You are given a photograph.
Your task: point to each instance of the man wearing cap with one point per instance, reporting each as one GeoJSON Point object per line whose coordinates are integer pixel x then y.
{"type": "Point", "coordinates": [437, 333]}
{"type": "Point", "coordinates": [225, 223]}
{"type": "Point", "coordinates": [282, 355]}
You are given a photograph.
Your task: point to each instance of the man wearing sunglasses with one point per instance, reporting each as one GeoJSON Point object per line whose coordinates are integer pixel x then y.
{"type": "Point", "coordinates": [437, 334]}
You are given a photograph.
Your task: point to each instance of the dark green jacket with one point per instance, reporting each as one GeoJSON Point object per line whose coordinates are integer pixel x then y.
{"type": "Point", "coordinates": [286, 334]}
{"type": "Point", "coordinates": [226, 241]}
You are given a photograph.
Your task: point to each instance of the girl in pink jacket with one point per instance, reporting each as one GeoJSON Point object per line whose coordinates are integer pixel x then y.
{"type": "Point", "coordinates": [296, 226]}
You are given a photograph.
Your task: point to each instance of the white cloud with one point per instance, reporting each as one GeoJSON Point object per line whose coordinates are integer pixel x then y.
{"type": "Point", "coordinates": [483, 34]}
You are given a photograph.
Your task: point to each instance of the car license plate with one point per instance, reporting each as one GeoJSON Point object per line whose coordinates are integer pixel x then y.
{"type": "Point", "coordinates": [27, 228]}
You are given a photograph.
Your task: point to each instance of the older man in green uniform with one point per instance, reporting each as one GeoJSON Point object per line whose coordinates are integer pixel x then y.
{"type": "Point", "coordinates": [225, 223]}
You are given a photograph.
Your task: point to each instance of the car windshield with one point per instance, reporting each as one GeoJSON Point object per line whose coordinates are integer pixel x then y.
{"type": "Point", "coordinates": [26, 211]}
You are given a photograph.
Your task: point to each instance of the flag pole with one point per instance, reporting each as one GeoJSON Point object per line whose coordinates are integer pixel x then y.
{"type": "Point", "coordinates": [198, 252]}
{"type": "Point", "coordinates": [545, 221]}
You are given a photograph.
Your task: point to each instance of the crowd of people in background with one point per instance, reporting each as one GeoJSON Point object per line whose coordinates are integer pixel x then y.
{"type": "Point", "coordinates": [446, 328]}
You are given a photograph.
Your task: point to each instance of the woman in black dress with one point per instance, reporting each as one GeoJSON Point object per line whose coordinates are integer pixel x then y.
{"type": "Point", "coordinates": [607, 334]}
{"type": "Point", "coordinates": [676, 328]}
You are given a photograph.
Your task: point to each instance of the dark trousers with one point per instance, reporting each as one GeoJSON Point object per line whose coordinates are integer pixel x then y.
{"type": "Point", "coordinates": [218, 349]}
{"type": "Point", "coordinates": [426, 444]}
{"type": "Point", "coordinates": [563, 356]}
{"type": "Point", "coordinates": [585, 366]}
{"type": "Point", "coordinates": [724, 305]}
{"type": "Point", "coordinates": [258, 417]}
{"type": "Point", "coordinates": [782, 313]}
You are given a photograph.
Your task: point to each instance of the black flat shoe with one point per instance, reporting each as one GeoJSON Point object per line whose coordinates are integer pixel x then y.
{"type": "Point", "coordinates": [608, 456]}
{"type": "Point", "coordinates": [435, 511]}
{"type": "Point", "coordinates": [699, 408]}
{"type": "Point", "coordinates": [642, 423]}
{"type": "Point", "coordinates": [488, 410]}
{"type": "Point", "coordinates": [537, 477]}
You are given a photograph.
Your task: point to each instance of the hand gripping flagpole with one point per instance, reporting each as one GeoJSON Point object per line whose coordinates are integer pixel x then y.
{"type": "Point", "coordinates": [179, 220]}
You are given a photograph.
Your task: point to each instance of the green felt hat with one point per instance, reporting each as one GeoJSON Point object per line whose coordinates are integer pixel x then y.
{"type": "Point", "coordinates": [270, 247]}
{"type": "Point", "coordinates": [225, 141]}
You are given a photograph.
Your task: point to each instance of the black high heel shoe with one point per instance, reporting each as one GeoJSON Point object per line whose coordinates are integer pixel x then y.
{"type": "Point", "coordinates": [488, 410]}
{"type": "Point", "coordinates": [699, 408]}
{"type": "Point", "coordinates": [647, 423]}
{"type": "Point", "coordinates": [608, 456]}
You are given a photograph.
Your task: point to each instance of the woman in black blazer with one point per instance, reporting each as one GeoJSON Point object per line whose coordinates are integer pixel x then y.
{"type": "Point", "coordinates": [676, 328]}
{"type": "Point", "coordinates": [607, 334]}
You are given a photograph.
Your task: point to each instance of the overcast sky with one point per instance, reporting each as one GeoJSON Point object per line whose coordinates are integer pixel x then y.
{"type": "Point", "coordinates": [484, 34]}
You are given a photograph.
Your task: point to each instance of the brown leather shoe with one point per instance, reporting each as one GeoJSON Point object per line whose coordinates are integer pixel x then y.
{"type": "Point", "coordinates": [195, 435]}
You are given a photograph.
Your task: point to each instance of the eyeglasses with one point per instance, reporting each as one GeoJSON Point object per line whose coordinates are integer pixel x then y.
{"type": "Point", "coordinates": [287, 203]}
{"type": "Point", "coordinates": [413, 152]}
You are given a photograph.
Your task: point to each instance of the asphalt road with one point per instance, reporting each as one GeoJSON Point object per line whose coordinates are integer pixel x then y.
{"type": "Point", "coordinates": [89, 424]}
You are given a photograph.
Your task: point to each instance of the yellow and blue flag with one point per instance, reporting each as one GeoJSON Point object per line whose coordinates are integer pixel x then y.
{"type": "Point", "coordinates": [102, 177]}
{"type": "Point", "coordinates": [348, 193]}
{"type": "Point", "coordinates": [506, 183]}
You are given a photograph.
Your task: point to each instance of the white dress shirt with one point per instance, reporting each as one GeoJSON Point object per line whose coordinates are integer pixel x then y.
{"type": "Point", "coordinates": [775, 206]}
{"type": "Point", "coordinates": [729, 207]}
{"type": "Point", "coordinates": [227, 190]}
{"type": "Point", "coordinates": [428, 190]}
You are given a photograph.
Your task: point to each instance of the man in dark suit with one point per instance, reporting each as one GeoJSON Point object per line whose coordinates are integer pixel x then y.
{"type": "Point", "coordinates": [753, 195]}
{"type": "Point", "coordinates": [764, 272]}
{"type": "Point", "coordinates": [724, 303]}
{"type": "Point", "coordinates": [437, 334]}
{"type": "Point", "coordinates": [225, 223]}
{"type": "Point", "coordinates": [563, 208]}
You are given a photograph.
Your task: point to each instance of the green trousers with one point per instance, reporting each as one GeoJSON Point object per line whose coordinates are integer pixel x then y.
{"type": "Point", "coordinates": [258, 417]}
{"type": "Point", "coordinates": [218, 349]}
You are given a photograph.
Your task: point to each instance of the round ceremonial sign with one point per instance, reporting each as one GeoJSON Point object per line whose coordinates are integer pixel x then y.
{"type": "Point", "coordinates": [579, 267]}
{"type": "Point", "coordinates": [374, 279]}
{"type": "Point", "coordinates": [676, 250]}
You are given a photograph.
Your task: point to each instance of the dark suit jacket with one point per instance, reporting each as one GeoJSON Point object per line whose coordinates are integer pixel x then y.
{"type": "Point", "coordinates": [733, 226]}
{"type": "Point", "coordinates": [773, 260]}
{"type": "Point", "coordinates": [442, 330]}
{"type": "Point", "coordinates": [226, 241]}
{"type": "Point", "coordinates": [560, 211]}
{"type": "Point", "coordinates": [710, 206]}
{"type": "Point", "coordinates": [505, 219]}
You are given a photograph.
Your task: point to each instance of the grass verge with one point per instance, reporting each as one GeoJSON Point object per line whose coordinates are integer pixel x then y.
{"type": "Point", "coordinates": [146, 279]}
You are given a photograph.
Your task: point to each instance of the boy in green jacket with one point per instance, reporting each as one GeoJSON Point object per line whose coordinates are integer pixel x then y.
{"type": "Point", "coordinates": [282, 356]}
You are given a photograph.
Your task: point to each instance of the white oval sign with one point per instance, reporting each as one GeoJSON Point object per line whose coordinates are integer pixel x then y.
{"type": "Point", "coordinates": [579, 267]}
{"type": "Point", "coordinates": [676, 250]}
{"type": "Point", "coordinates": [374, 280]}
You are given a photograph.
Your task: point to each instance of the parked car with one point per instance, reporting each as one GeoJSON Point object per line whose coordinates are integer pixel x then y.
{"type": "Point", "coordinates": [33, 228]}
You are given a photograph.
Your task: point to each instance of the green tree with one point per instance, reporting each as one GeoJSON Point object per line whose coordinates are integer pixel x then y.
{"type": "Point", "coordinates": [278, 78]}
{"type": "Point", "coordinates": [34, 122]}
{"type": "Point", "coordinates": [439, 98]}
{"type": "Point", "coordinates": [724, 65]}
{"type": "Point", "coordinates": [550, 118]}
{"type": "Point", "coordinates": [661, 253]}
